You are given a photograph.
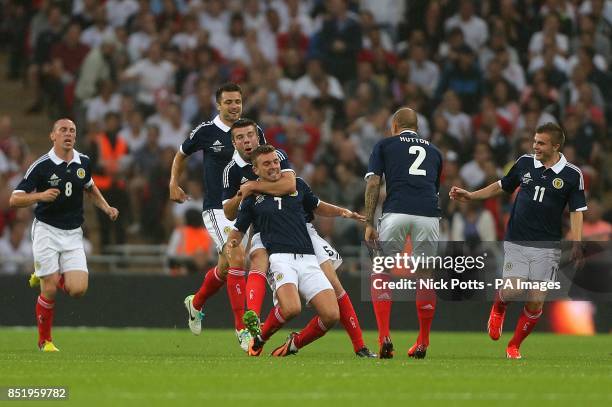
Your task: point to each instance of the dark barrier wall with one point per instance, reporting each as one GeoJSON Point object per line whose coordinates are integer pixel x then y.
{"type": "Point", "coordinates": [157, 301]}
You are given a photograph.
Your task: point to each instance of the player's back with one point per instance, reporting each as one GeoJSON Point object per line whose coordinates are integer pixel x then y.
{"type": "Point", "coordinates": [412, 167]}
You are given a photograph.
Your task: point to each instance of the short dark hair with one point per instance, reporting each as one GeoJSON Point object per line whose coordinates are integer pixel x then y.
{"type": "Point", "coordinates": [227, 87]}
{"type": "Point", "coordinates": [241, 123]}
{"type": "Point", "coordinates": [260, 150]}
{"type": "Point", "coordinates": [554, 131]}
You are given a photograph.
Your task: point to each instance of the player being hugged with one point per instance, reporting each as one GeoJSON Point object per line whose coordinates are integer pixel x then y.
{"type": "Point", "coordinates": [294, 268]}
{"type": "Point", "coordinates": [239, 182]}
{"type": "Point", "coordinates": [55, 183]}
{"type": "Point", "coordinates": [548, 182]}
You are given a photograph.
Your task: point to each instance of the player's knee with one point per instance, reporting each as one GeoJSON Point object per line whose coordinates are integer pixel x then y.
{"type": "Point", "coordinates": [534, 306]}
{"type": "Point", "coordinates": [76, 291]}
{"type": "Point", "coordinates": [330, 317]}
{"type": "Point", "coordinates": [291, 311]}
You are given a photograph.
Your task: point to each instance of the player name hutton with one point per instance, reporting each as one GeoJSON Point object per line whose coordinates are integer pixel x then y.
{"type": "Point", "coordinates": [413, 140]}
{"type": "Point", "coordinates": [428, 284]}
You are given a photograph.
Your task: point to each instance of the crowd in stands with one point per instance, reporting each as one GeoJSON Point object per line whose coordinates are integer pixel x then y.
{"type": "Point", "coordinates": [322, 78]}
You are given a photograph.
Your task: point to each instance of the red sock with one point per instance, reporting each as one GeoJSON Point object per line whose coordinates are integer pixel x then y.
{"type": "Point", "coordinates": [256, 289]}
{"type": "Point", "coordinates": [499, 304]}
{"type": "Point", "coordinates": [235, 290]}
{"type": "Point", "coordinates": [381, 301]}
{"type": "Point", "coordinates": [527, 321]}
{"type": "Point", "coordinates": [273, 323]}
{"type": "Point", "coordinates": [45, 309]}
{"type": "Point", "coordinates": [313, 331]}
{"type": "Point", "coordinates": [211, 284]}
{"type": "Point", "coordinates": [426, 308]}
{"type": "Point", "coordinates": [349, 320]}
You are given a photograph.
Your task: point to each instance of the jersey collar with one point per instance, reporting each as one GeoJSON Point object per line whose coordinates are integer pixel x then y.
{"type": "Point", "coordinates": [409, 131]}
{"type": "Point", "coordinates": [239, 160]}
{"type": "Point", "coordinates": [556, 168]}
{"type": "Point", "coordinates": [57, 161]}
{"type": "Point", "coordinates": [217, 121]}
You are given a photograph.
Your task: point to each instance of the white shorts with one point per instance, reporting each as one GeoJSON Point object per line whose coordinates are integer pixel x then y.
{"type": "Point", "coordinates": [301, 270]}
{"type": "Point", "coordinates": [256, 243]}
{"type": "Point", "coordinates": [218, 226]}
{"type": "Point", "coordinates": [424, 232]}
{"type": "Point", "coordinates": [57, 250]}
{"type": "Point", "coordinates": [530, 263]}
{"type": "Point", "coordinates": [323, 249]}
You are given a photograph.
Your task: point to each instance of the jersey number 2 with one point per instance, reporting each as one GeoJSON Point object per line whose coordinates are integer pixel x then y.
{"type": "Point", "coordinates": [414, 168]}
{"type": "Point", "coordinates": [68, 188]}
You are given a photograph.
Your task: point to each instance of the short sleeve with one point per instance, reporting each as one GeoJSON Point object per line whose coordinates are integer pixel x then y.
{"type": "Point", "coordinates": [89, 182]}
{"type": "Point", "coordinates": [194, 142]}
{"type": "Point", "coordinates": [245, 215]}
{"type": "Point", "coordinates": [376, 164]}
{"type": "Point", "coordinates": [284, 160]}
{"type": "Point", "coordinates": [30, 180]}
{"type": "Point", "coordinates": [513, 178]}
{"type": "Point", "coordinates": [577, 199]}
{"type": "Point", "coordinates": [231, 182]}
{"type": "Point", "coordinates": [309, 200]}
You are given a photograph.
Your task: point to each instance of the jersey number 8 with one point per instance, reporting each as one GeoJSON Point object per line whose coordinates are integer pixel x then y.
{"type": "Point", "coordinates": [68, 190]}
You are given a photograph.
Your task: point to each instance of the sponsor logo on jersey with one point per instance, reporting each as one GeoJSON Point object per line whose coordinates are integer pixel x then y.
{"type": "Point", "coordinates": [54, 180]}
{"type": "Point", "coordinates": [81, 173]}
{"type": "Point", "coordinates": [527, 178]}
{"type": "Point", "coordinates": [557, 183]}
{"type": "Point", "coordinates": [217, 146]}
{"type": "Point", "coordinates": [259, 199]}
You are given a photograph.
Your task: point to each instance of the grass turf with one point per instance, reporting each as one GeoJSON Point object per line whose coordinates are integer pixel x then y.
{"type": "Point", "coordinates": [163, 367]}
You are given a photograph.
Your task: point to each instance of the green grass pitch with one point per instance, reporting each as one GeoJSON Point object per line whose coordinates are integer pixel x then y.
{"type": "Point", "coordinates": [172, 367]}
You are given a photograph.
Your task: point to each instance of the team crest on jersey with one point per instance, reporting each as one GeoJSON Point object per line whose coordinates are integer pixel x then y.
{"type": "Point", "coordinates": [526, 178]}
{"type": "Point", "coordinates": [227, 230]}
{"type": "Point", "coordinates": [294, 194]}
{"type": "Point", "coordinates": [81, 173]}
{"type": "Point", "coordinates": [279, 276]}
{"type": "Point", "coordinates": [508, 266]}
{"type": "Point", "coordinates": [54, 180]}
{"type": "Point", "coordinates": [557, 183]}
{"type": "Point", "coordinates": [217, 146]}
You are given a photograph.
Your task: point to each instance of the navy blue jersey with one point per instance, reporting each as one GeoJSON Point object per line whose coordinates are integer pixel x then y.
{"type": "Point", "coordinates": [412, 167]}
{"type": "Point", "coordinates": [50, 171]}
{"type": "Point", "coordinates": [238, 171]}
{"type": "Point", "coordinates": [538, 209]}
{"type": "Point", "coordinates": [280, 219]}
{"type": "Point", "coordinates": [214, 139]}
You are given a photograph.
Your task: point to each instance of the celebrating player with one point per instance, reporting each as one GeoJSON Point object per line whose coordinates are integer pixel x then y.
{"type": "Point", "coordinates": [548, 182]}
{"type": "Point", "coordinates": [412, 168]}
{"type": "Point", "coordinates": [213, 138]}
{"type": "Point", "coordinates": [294, 269]}
{"type": "Point", "coordinates": [59, 178]}
{"type": "Point", "coordinates": [239, 181]}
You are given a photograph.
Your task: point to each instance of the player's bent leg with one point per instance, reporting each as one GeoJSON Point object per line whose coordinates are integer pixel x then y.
{"type": "Point", "coordinates": [255, 290]}
{"type": "Point", "coordinates": [289, 301]}
{"type": "Point", "coordinates": [526, 323]}
{"type": "Point", "coordinates": [76, 282]}
{"type": "Point", "coordinates": [45, 311]}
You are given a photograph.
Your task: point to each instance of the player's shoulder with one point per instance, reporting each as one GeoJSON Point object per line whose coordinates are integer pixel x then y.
{"type": "Point", "coordinates": [84, 158]}
{"type": "Point", "coordinates": [203, 129]}
{"type": "Point", "coordinates": [38, 164]}
{"type": "Point", "coordinates": [525, 160]}
{"type": "Point", "coordinates": [282, 155]}
{"type": "Point", "coordinates": [574, 172]}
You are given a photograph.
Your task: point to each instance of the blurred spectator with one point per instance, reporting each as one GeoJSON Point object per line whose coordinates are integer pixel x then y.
{"type": "Point", "coordinates": [595, 228]}
{"type": "Point", "coordinates": [16, 249]}
{"type": "Point", "coordinates": [473, 172]}
{"type": "Point", "coordinates": [464, 78]}
{"type": "Point", "coordinates": [95, 34]}
{"type": "Point", "coordinates": [423, 72]}
{"type": "Point", "coordinates": [340, 40]}
{"type": "Point", "coordinates": [190, 245]}
{"type": "Point", "coordinates": [473, 224]}
{"type": "Point", "coordinates": [474, 28]}
{"type": "Point", "coordinates": [108, 100]}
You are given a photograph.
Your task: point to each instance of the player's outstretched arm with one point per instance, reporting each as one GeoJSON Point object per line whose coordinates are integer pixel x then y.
{"type": "Point", "coordinates": [286, 185]}
{"type": "Point", "coordinates": [372, 194]}
{"type": "Point", "coordinates": [330, 211]}
{"type": "Point", "coordinates": [231, 206]}
{"type": "Point", "coordinates": [462, 195]}
{"type": "Point", "coordinates": [178, 166]}
{"type": "Point", "coordinates": [98, 200]}
{"type": "Point", "coordinates": [20, 199]}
